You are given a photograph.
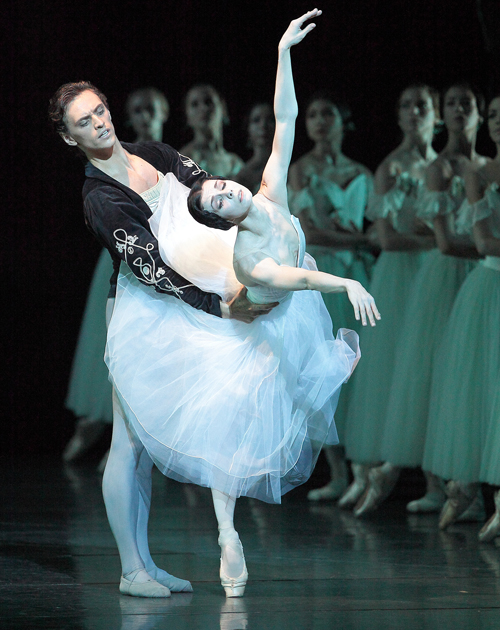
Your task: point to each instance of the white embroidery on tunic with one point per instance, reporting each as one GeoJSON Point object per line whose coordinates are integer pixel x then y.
{"type": "Point", "coordinates": [150, 274]}
{"type": "Point", "coordinates": [189, 163]}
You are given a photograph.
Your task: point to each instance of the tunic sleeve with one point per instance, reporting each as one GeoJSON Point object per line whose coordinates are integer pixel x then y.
{"type": "Point", "coordinates": [115, 221]}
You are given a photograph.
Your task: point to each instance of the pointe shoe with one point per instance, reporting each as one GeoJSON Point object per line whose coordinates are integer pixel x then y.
{"type": "Point", "coordinates": [380, 486]}
{"type": "Point", "coordinates": [148, 588]}
{"type": "Point", "coordinates": [491, 529]}
{"type": "Point", "coordinates": [460, 497]}
{"type": "Point", "coordinates": [430, 502]}
{"type": "Point", "coordinates": [333, 490]}
{"type": "Point", "coordinates": [233, 586]}
{"type": "Point", "coordinates": [354, 492]}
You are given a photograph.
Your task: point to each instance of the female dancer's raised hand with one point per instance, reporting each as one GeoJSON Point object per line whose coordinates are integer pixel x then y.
{"type": "Point", "coordinates": [293, 34]}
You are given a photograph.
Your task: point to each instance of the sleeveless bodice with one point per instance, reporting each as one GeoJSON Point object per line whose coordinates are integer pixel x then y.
{"type": "Point", "coordinates": [265, 295]}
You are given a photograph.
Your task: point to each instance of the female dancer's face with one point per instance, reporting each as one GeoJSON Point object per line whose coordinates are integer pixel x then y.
{"type": "Point", "coordinates": [460, 112]}
{"type": "Point", "coordinates": [261, 126]}
{"type": "Point", "coordinates": [494, 120]}
{"type": "Point", "coordinates": [89, 125]}
{"type": "Point", "coordinates": [323, 121]}
{"type": "Point", "coordinates": [226, 198]}
{"type": "Point", "coordinates": [203, 109]}
{"type": "Point", "coordinates": [416, 113]}
{"type": "Point", "coordinates": [146, 114]}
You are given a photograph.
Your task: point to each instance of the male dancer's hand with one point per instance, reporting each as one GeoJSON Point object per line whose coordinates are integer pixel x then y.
{"type": "Point", "coordinates": [242, 309]}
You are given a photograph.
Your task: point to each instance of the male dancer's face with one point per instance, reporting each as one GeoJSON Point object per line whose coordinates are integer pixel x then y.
{"type": "Point", "coordinates": [88, 124]}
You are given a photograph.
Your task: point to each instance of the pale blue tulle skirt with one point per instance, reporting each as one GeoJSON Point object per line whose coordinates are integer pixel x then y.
{"type": "Point", "coordinates": [393, 278]}
{"type": "Point", "coordinates": [243, 408]}
{"type": "Point", "coordinates": [435, 289]}
{"type": "Point", "coordinates": [465, 380]}
{"type": "Point", "coordinates": [89, 391]}
{"type": "Point", "coordinates": [341, 310]}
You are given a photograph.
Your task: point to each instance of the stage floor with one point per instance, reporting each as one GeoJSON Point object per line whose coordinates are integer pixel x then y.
{"type": "Point", "coordinates": [312, 567]}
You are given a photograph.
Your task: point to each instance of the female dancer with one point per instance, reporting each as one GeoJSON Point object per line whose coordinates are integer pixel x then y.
{"type": "Point", "coordinates": [206, 115]}
{"type": "Point", "coordinates": [147, 110]}
{"type": "Point", "coordinates": [89, 392]}
{"type": "Point", "coordinates": [461, 443]}
{"type": "Point", "coordinates": [119, 179]}
{"type": "Point", "coordinates": [260, 139]}
{"type": "Point", "coordinates": [330, 193]}
{"type": "Point", "coordinates": [434, 290]}
{"type": "Point", "coordinates": [255, 403]}
{"type": "Point", "coordinates": [393, 207]}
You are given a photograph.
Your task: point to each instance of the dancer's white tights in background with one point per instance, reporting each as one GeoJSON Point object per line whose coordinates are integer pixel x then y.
{"type": "Point", "coordinates": [232, 560]}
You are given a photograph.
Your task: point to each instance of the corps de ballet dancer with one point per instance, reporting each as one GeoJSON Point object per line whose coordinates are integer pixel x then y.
{"type": "Point", "coordinates": [329, 192]}
{"type": "Point", "coordinates": [431, 300]}
{"type": "Point", "coordinates": [206, 115]}
{"type": "Point", "coordinates": [260, 131]}
{"type": "Point", "coordinates": [241, 408]}
{"type": "Point", "coordinates": [462, 440]}
{"type": "Point", "coordinates": [404, 241]}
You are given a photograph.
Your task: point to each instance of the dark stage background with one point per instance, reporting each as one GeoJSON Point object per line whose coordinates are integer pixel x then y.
{"type": "Point", "coordinates": [365, 51]}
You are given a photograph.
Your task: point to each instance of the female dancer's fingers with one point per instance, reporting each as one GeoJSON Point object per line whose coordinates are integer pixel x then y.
{"type": "Point", "coordinates": [363, 315]}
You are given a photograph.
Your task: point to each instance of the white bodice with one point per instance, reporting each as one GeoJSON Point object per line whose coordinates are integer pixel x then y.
{"type": "Point", "coordinates": [266, 295]}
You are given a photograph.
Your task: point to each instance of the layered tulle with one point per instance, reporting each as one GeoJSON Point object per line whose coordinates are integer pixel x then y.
{"type": "Point", "coordinates": [393, 277]}
{"type": "Point", "coordinates": [243, 408]}
{"type": "Point", "coordinates": [89, 392]}
{"type": "Point", "coordinates": [465, 379]}
{"type": "Point", "coordinates": [436, 286]}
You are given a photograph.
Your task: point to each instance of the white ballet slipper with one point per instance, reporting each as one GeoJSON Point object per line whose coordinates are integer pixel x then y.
{"type": "Point", "coordinates": [146, 588]}
{"type": "Point", "coordinates": [333, 490]}
{"type": "Point", "coordinates": [174, 584]}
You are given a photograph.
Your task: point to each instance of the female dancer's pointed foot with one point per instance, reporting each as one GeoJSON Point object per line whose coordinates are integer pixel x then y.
{"type": "Point", "coordinates": [232, 561]}
{"type": "Point", "coordinates": [139, 583]}
{"type": "Point", "coordinates": [381, 482]}
{"type": "Point", "coordinates": [430, 502]}
{"type": "Point", "coordinates": [460, 497]}
{"type": "Point", "coordinates": [354, 492]}
{"type": "Point", "coordinates": [491, 529]}
{"type": "Point", "coordinates": [333, 490]}
{"type": "Point", "coordinates": [174, 584]}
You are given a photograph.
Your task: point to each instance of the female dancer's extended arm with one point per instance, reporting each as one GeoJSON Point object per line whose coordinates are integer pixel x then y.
{"type": "Point", "coordinates": [268, 273]}
{"type": "Point", "coordinates": [275, 173]}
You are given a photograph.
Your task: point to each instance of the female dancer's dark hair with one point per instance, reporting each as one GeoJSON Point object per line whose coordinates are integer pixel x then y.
{"type": "Point", "coordinates": [64, 96]}
{"type": "Point", "coordinates": [210, 219]}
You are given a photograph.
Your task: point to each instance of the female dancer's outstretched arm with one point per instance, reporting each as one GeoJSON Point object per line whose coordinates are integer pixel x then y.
{"type": "Point", "coordinates": [286, 109]}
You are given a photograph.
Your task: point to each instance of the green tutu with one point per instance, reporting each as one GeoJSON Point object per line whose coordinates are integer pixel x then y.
{"type": "Point", "coordinates": [393, 277]}
{"type": "Point", "coordinates": [465, 380]}
{"type": "Point", "coordinates": [429, 307]}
